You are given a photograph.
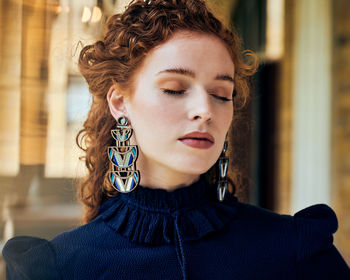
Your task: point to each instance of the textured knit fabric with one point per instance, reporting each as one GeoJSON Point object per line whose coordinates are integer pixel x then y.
{"type": "Point", "coordinates": [184, 234]}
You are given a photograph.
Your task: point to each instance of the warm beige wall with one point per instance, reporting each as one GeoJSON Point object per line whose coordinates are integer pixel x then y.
{"type": "Point", "coordinates": [341, 123]}
{"type": "Point", "coordinates": [222, 9]}
{"type": "Point", "coordinates": [24, 65]}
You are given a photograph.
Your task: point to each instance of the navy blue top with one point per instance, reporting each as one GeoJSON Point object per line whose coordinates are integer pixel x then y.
{"type": "Point", "coordinates": [184, 234]}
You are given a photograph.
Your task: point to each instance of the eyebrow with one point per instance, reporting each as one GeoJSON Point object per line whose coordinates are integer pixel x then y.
{"type": "Point", "coordinates": [191, 74]}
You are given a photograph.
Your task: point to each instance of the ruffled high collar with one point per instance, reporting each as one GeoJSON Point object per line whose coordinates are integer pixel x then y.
{"type": "Point", "coordinates": [153, 216]}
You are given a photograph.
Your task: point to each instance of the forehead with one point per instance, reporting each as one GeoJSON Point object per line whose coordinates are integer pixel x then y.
{"type": "Point", "coordinates": [197, 51]}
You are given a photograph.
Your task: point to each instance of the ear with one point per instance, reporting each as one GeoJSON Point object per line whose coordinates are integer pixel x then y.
{"type": "Point", "coordinates": [116, 103]}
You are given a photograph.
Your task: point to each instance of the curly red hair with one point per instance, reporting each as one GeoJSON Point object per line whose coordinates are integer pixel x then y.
{"type": "Point", "coordinates": [113, 60]}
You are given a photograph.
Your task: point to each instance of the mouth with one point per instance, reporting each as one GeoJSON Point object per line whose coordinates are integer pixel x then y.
{"type": "Point", "coordinates": [198, 136]}
{"type": "Point", "coordinates": [202, 139]}
{"type": "Point", "coordinates": [199, 143]}
{"type": "Point", "coordinates": [198, 139]}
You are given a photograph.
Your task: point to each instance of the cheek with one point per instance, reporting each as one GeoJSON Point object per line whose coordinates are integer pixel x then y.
{"type": "Point", "coordinates": [225, 116]}
{"type": "Point", "coordinates": [154, 119]}
{"type": "Point", "coordinates": [158, 113]}
{"type": "Point", "coordinates": [230, 115]}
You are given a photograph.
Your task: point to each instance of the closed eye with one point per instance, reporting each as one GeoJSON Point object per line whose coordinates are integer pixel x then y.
{"type": "Point", "coordinates": [169, 91]}
{"type": "Point", "coordinates": [177, 92]}
{"type": "Point", "coordinates": [222, 98]}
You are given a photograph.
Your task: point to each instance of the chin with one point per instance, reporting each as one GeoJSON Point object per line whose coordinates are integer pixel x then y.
{"type": "Point", "coordinates": [194, 169]}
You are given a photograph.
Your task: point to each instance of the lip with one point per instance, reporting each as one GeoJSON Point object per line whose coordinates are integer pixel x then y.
{"type": "Point", "coordinates": [197, 143]}
{"type": "Point", "coordinates": [197, 139]}
{"type": "Point", "coordinates": [197, 134]}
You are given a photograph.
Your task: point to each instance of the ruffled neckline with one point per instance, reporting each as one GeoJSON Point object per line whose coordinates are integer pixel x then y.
{"type": "Point", "coordinates": [152, 216]}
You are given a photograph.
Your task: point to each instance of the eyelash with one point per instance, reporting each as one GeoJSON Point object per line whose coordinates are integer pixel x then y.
{"type": "Point", "coordinates": [178, 92]}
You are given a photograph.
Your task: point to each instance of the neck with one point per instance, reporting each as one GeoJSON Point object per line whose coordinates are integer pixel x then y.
{"type": "Point", "coordinates": [156, 175]}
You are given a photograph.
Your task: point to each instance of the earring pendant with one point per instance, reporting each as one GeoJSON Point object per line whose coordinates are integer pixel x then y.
{"type": "Point", "coordinates": [124, 177]}
{"type": "Point", "coordinates": [223, 164]}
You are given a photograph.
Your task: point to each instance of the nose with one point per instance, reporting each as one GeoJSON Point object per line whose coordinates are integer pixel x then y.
{"type": "Point", "coordinates": [200, 106]}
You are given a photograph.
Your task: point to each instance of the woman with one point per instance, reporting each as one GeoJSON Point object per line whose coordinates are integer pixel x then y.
{"type": "Point", "coordinates": [165, 81]}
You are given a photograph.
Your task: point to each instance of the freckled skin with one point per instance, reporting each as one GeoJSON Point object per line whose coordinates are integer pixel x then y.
{"type": "Point", "coordinates": [159, 118]}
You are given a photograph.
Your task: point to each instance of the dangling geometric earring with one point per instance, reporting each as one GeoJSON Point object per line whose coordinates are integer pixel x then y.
{"type": "Point", "coordinates": [223, 167]}
{"type": "Point", "coordinates": [124, 177]}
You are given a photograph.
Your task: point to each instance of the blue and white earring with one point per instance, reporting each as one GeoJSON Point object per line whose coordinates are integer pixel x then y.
{"type": "Point", "coordinates": [124, 177]}
{"type": "Point", "coordinates": [222, 183]}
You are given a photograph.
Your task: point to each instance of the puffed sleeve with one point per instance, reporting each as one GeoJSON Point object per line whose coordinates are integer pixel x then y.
{"type": "Point", "coordinates": [29, 258]}
{"type": "Point", "coordinates": [317, 257]}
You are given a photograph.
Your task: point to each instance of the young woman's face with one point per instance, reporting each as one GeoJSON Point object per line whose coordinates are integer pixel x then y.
{"type": "Point", "coordinates": [184, 85]}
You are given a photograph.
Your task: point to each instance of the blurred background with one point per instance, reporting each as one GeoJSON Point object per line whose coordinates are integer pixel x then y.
{"type": "Point", "coordinates": [293, 144]}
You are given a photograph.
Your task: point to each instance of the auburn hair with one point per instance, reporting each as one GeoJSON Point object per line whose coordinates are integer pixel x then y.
{"type": "Point", "coordinates": [112, 61]}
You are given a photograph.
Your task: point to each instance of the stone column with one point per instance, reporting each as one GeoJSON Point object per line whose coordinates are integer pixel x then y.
{"type": "Point", "coordinates": [285, 115]}
{"type": "Point", "coordinates": [311, 104]}
{"type": "Point", "coordinates": [59, 56]}
{"type": "Point", "coordinates": [10, 92]}
{"type": "Point", "coordinates": [33, 83]}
